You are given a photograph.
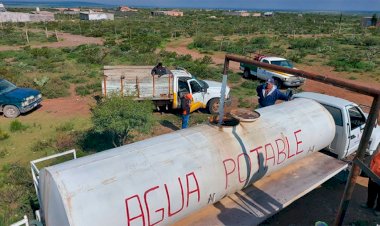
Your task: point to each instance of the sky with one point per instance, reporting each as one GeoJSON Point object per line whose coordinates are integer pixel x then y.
{"type": "Point", "coordinates": [316, 5]}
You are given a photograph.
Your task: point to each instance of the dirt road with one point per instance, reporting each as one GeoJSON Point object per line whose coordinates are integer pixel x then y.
{"type": "Point", "coordinates": [66, 40]}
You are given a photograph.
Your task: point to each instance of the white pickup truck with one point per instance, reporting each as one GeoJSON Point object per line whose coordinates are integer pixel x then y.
{"type": "Point", "coordinates": [281, 79]}
{"type": "Point", "coordinates": [165, 91]}
{"type": "Point", "coordinates": [349, 121]}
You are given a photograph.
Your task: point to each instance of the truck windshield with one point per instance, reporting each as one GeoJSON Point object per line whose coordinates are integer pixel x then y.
{"type": "Point", "coordinates": [202, 83]}
{"type": "Point", "coordinates": [6, 86]}
{"type": "Point", "coordinates": [282, 63]}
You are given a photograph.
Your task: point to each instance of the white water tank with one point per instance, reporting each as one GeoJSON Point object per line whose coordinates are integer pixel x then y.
{"type": "Point", "coordinates": [165, 178]}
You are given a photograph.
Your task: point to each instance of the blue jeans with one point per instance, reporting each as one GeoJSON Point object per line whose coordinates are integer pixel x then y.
{"type": "Point", "coordinates": [185, 121]}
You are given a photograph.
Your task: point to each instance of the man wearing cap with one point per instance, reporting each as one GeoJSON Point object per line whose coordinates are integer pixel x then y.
{"type": "Point", "coordinates": [269, 94]}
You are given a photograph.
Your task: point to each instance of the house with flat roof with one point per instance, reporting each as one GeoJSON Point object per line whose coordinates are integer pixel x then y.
{"type": "Point", "coordinates": [237, 13]}
{"type": "Point", "coordinates": [2, 8]}
{"type": "Point", "coordinates": [90, 15]}
{"type": "Point", "coordinates": [167, 13]}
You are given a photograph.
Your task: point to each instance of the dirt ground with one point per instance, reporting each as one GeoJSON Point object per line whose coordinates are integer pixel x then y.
{"type": "Point", "coordinates": [73, 105]}
{"type": "Point", "coordinates": [65, 40]}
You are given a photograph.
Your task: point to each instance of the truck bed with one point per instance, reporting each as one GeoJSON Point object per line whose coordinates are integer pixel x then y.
{"type": "Point", "coordinates": [136, 81]}
{"type": "Point", "coordinates": [269, 195]}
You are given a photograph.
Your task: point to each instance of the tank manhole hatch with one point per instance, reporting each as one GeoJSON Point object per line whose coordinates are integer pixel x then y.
{"type": "Point", "coordinates": [245, 115]}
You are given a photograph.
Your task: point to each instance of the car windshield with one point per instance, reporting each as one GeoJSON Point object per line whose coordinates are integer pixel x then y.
{"type": "Point", "coordinates": [282, 63]}
{"type": "Point", "coordinates": [6, 86]}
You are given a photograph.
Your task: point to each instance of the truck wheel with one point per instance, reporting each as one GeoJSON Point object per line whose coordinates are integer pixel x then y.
{"type": "Point", "coordinates": [246, 73]}
{"type": "Point", "coordinates": [11, 111]}
{"type": "Point", "coordinates": [278, 83]}
{"type": "Point", "coordinates": [213, 106]}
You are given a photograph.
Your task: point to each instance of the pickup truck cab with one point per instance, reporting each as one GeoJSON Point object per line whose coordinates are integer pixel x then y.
{"type": "Point", "coordinates": [15, 100]}
{"type": "Point", "coordinates": [281, 79]}
{"type": "Point", "coordinates": [349, 122]}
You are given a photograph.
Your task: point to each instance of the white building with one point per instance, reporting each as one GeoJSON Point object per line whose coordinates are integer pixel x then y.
{"type": "Point", "coordinates": [96, 16]}
{"type": "Point", "coordinates": [269, 14]}
{"type": "Point", "coordinates": [25, 17]}
{"type": "Point", "coordinates": [2, 8]}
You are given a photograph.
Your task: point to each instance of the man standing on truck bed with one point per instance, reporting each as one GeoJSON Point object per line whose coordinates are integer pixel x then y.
{"type": "Point", "coordinates": [159, 70]}
{"type": "Point", "coordinates": [185, 104]}
{"type": "Point", "coordinates": [269, 94]}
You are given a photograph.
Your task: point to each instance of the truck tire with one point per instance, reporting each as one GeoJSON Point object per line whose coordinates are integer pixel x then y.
{"type": "Point", "coordinates": [11, 111]}
{"type": "Point", "coordinates": [247, 73]}
{"type": "Point", "coordinates": [278, 82]}
{"type": "Point", "coordinates": [213, 106]}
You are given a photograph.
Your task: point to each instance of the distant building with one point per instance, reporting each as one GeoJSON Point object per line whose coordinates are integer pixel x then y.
{"type": "Point", "coordinates": [61, 10]}
{"type": "Point", "coordinates": [237, 13]}
{"type": "Point", "coordinates": [2, 8]}
{"type": "Point", "coordinates": [167, 13]}
{"type": "Point", "coordinates": [36, 16]}
{"type": "Point", "coordinates": [126, 9]}
{"type": "Point", "coordinates": [74, 9]}
{"type": "Point", "coordinates": [26, 17]}
{"type": "Point", "coordinates": [367, 22]}
{"type": "Point", "coordinates": [96, 10]}
{"type": "Point", "coordinates": [256, 14]}
{"type": "Point", "coordinates": [268, 14]}
{"type": "Point", "coordinates": [96, 16]}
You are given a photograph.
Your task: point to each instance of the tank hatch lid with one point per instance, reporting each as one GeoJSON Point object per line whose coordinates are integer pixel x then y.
{"type": "Point", "coordinates": [245, 115]}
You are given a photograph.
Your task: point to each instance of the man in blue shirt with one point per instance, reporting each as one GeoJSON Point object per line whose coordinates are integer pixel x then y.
{"type": "Point", "coordinates": [269, 94]}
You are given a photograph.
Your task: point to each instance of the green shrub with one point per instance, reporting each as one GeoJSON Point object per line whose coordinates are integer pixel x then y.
{"type": "Point", "coordinates": [120, 116]}
{"type": "Point", "coordinates": [202, 41]}
{"type": "Point", "coordinates": [55, 88]}
{"type": "Point", "coordinates": [351, 63]}
{"type": "Point", "coordinates": [67, 77]}
{"type": "Point", "coordinates": [65, 127]}
{"type": "Point", "coordinates": [250, 85]}
{"type": "Point", "coordinates": [65, 142]}
{"type": "Point", "coordinates": [304, 43]}
{"type": "Point", "coordinates": [88, 89]}
{"type": "Point", "coordinates": [3, 152]}
{"type": "Point", "coordinates": [3, 135]}
{"type": "Point", "coordinates": [42, 145]}
{"type": "Point", "coordinates": [17, 126]}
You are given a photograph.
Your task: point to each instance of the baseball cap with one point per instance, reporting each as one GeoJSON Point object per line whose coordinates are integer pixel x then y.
{"type": "Point", "coordinates": [270, 80]}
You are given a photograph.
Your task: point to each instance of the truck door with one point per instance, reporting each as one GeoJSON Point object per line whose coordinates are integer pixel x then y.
{"type": "Point", "coordinates": [263, 73]}
{"type": "Point", "coordinates": [339, 145]}
{"type": "Point", "coordinates": [356, 126]}
{"type": "Point", "coordinates": [198, 95]}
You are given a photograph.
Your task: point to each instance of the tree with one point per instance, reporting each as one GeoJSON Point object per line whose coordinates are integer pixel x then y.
{"type": "Point", "coordinates": [119, 116]}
